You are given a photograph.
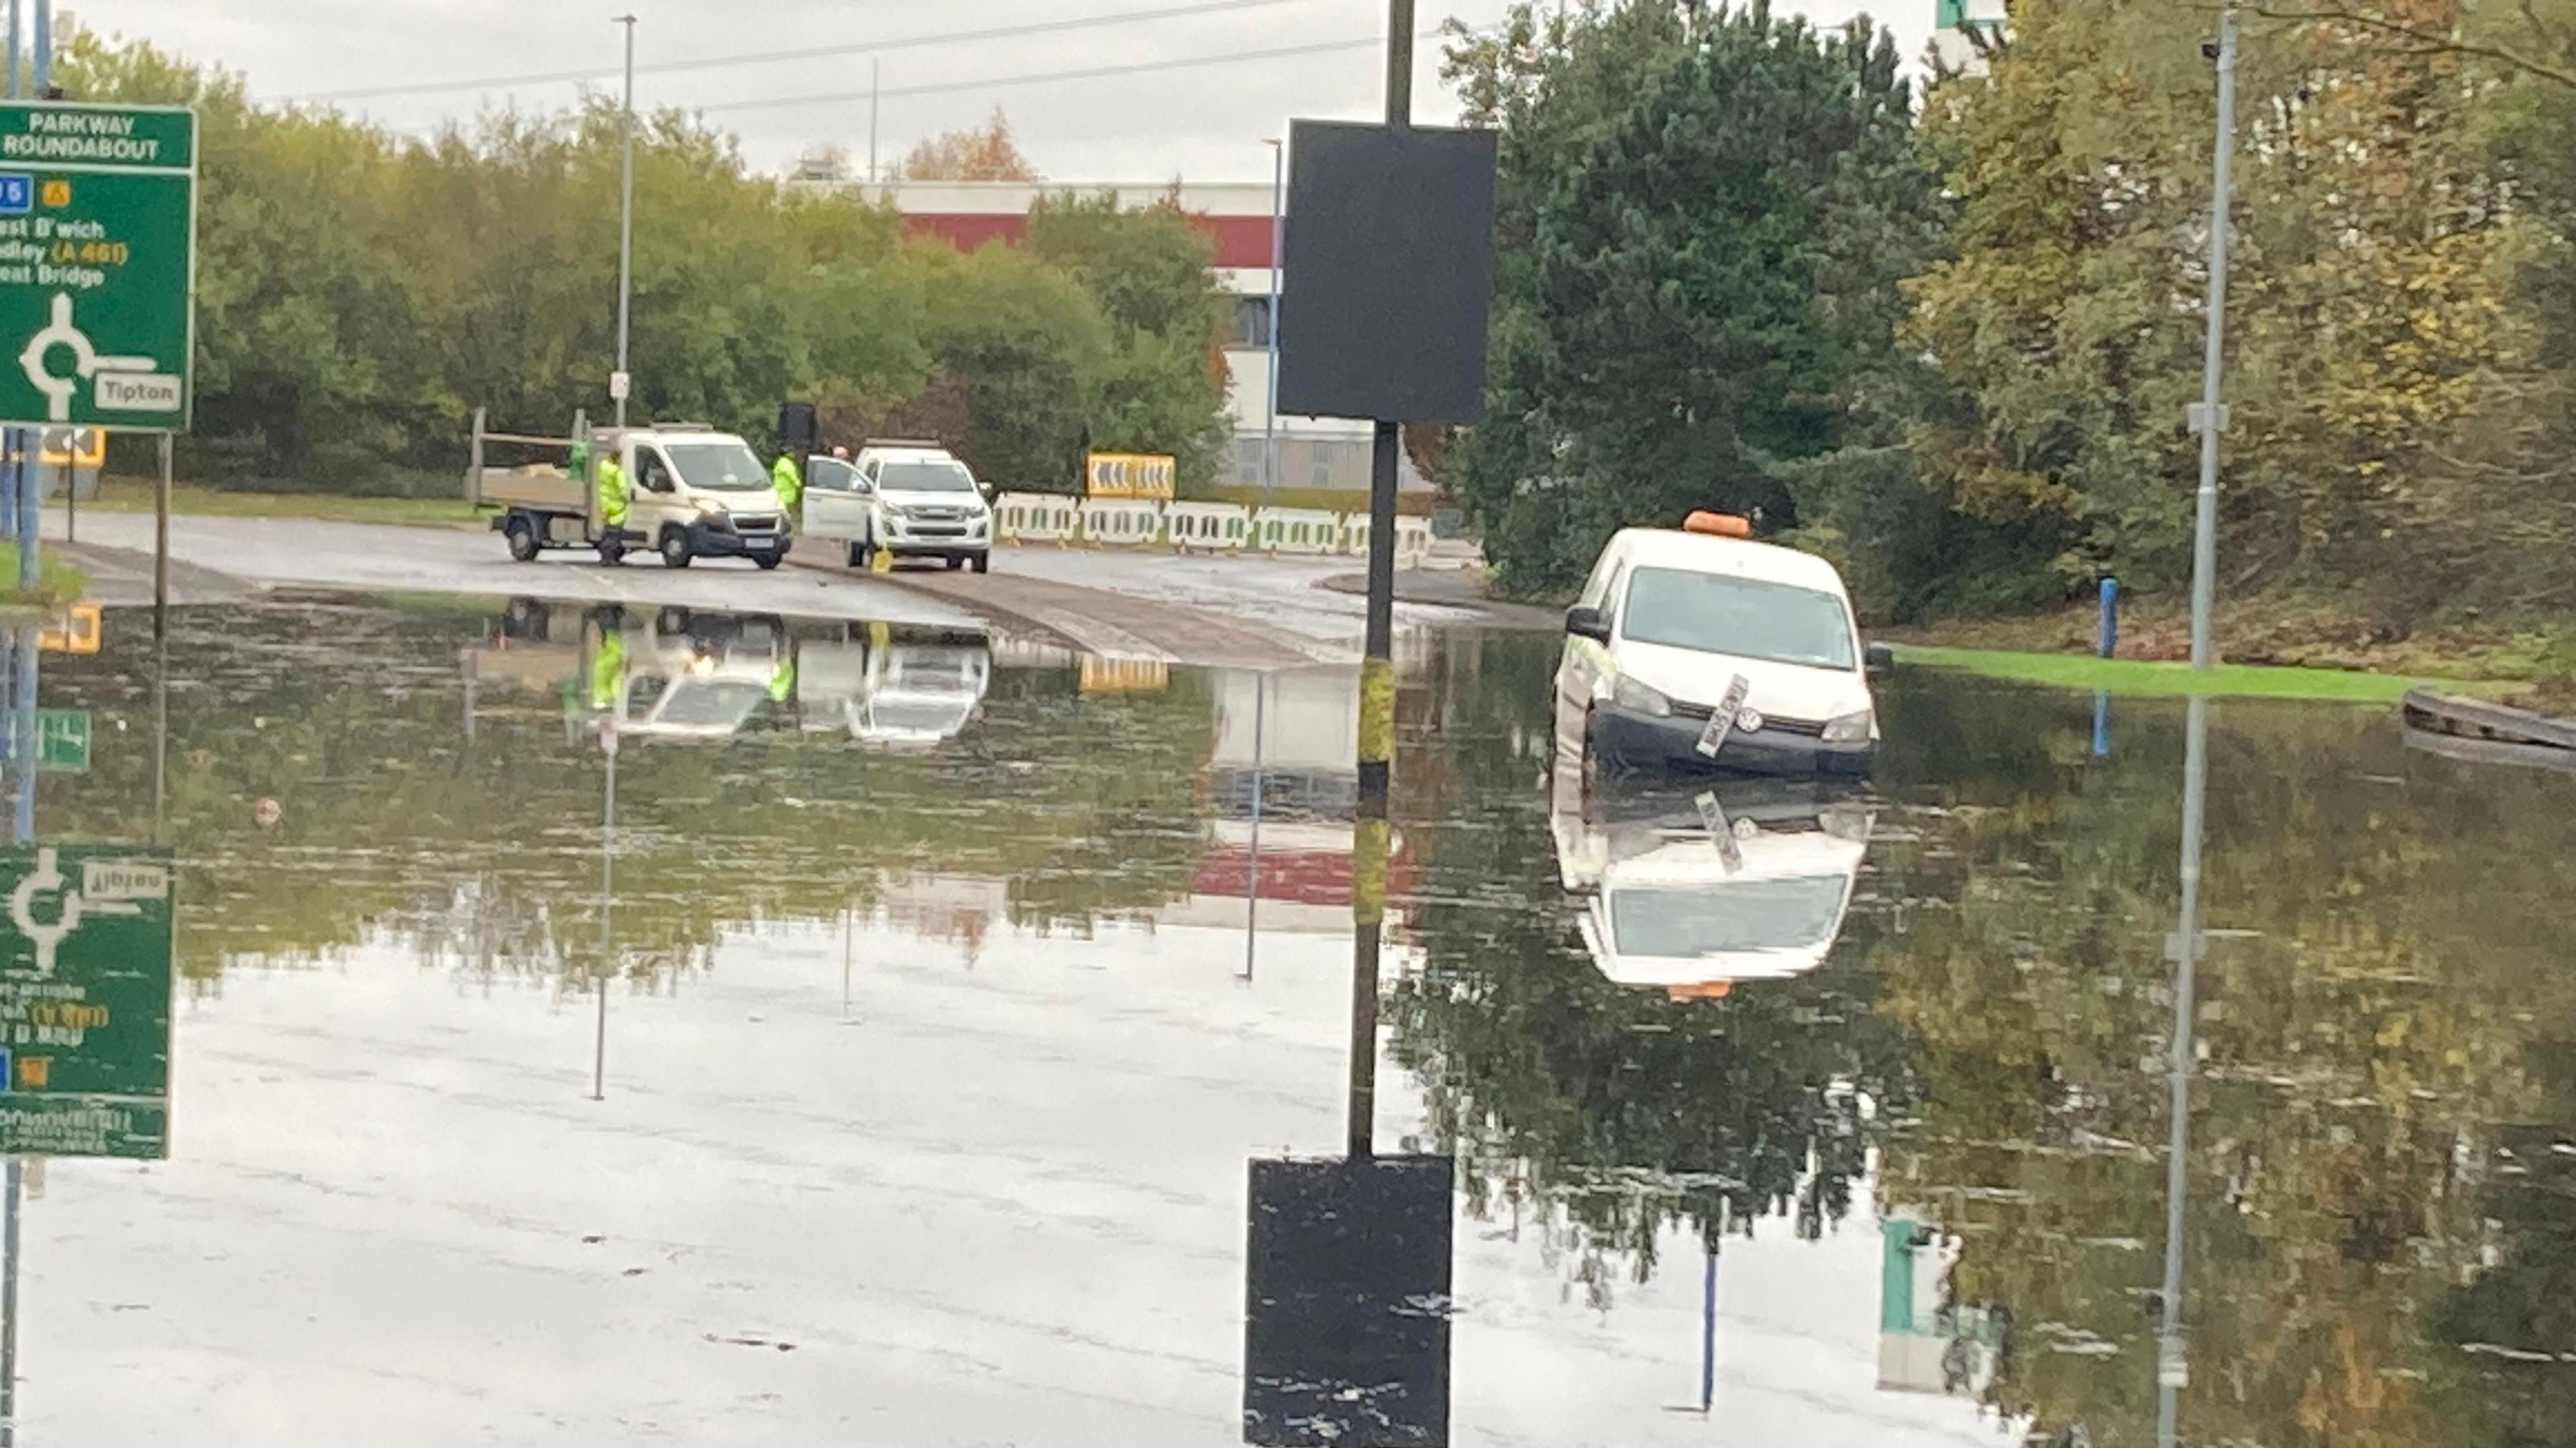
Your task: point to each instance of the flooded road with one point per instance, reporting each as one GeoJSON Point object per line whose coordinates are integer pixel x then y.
{"type": "Point", "coordinates": [867, 1048]}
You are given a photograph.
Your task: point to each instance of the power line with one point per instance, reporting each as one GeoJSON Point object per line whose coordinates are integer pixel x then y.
{"type": "Point", "coordinates": [716, 62]}
{"type": "Point", "coordinates": [1096, 73]}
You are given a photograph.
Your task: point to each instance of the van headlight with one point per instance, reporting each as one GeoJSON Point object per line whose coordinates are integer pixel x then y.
{"type": "Point", "coordinates": [1636, 697]}
{"type": "Point", "coordinates": [707, 507]}
{"type": "Point", "coordinates": [1851, 728]}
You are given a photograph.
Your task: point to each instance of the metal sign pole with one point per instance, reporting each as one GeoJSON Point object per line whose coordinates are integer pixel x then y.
{"type": "Point", "coordinates": [1377, 694]}
{"type": "Point", "coordinates": [161, 546]}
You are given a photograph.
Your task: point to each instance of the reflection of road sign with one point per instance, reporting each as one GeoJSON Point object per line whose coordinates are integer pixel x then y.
{"type": "Point", "coordinates": [95, 281]}
{"type": "Point", "coordinates": [1106, 676]}
{"type": "Point", "coordinates": [73, 631]}
{"type": "Point", "coordinates": [62, 740]}
{"type": "Point", "coordinates": [85, 1001]}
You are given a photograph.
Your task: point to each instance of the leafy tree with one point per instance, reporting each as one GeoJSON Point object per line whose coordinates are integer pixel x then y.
{"type": "Point", "coordinates": [360, 292]}
{"type": "Point", "coordinates": [976, 153]}
{"type": "Point", "coordinates": [2066, 327]}
{"type": "Point", "coordinates": [1029, 349]}
{"type": "Point", "coordinates": [1165, 388]}
{"type": "Point", "coordinates": [1714, 209]}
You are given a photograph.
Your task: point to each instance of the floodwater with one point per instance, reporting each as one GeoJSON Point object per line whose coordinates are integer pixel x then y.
{"type": "Point", "coordinates": [868, 1049]}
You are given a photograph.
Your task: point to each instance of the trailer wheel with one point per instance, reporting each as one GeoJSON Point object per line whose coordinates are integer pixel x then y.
{"type": "Point", "coordinates": [675, 548]}
{"type": "Point", "coordinates": [522, 536]}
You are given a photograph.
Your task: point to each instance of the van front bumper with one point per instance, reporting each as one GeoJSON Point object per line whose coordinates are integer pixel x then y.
{"type": "Point", "coordinates": [717, 537]}
{"type": "Point", "coordinates": [1624, 738]}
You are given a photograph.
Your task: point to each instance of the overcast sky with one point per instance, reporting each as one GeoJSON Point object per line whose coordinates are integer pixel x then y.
{"type": "Point", "coordinates": [1204, 122]}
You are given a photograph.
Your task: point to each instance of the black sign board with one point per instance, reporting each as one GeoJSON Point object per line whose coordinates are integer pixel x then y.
{"type": "Point", "coordinates": [1346, 1303]}
{"type": "Point", "coordinates": [1387, 274]}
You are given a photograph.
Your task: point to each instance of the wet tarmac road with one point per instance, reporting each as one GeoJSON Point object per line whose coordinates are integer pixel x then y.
{"type": "Point", "coordinates": [929, 1072]}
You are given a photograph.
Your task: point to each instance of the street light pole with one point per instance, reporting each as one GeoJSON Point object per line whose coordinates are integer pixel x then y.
{"type": "Point", "coordinates": [31, 444]}
{"type": "Point", "coordinates": [1278, 225]}
{"type": "Point", "coordinates": [2211, 416]}
{"type": "Point", "coordinates": [625, 217]}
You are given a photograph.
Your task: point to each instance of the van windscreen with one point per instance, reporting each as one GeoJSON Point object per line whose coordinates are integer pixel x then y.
{"type": "Point", "coordinates": [1719, 613]}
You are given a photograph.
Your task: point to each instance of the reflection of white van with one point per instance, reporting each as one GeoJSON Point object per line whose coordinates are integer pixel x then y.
{"type": "Point", "coordinates": [1700, 894]}
{"type": "Point", "coordinates": [1698, 647]}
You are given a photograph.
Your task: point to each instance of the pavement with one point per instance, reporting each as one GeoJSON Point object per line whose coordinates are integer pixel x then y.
{"type": "Point", "coordinates": [1240, 612]}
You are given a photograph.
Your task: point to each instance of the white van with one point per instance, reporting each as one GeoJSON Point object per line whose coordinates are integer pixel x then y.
{"type": "Point", "coordinates": [1698, 648]}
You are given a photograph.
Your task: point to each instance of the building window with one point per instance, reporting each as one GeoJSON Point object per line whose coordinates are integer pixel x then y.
{"type": "Point", "coordinates": [1247, 458]}
{"type": "Point", "coordinates": [1251, 322]}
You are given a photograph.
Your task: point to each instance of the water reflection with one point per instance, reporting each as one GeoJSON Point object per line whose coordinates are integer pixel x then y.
{"type": "Point", "coordinates": [1692, 893]}
{"type": "Point", "coordinates": [691, 673]}
{"type": "Point", "coordinates": [938, 1061]}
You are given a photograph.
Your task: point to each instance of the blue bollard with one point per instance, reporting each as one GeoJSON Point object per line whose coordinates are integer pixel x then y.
{"type": "Point", "coordinates": [2109, 636]}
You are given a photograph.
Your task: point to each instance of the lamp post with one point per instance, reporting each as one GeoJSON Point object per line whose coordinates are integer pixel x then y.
{"type": "Point", "coordinates": [625, 219]}
{"type": "Point", "coordinates": [1278, 226]}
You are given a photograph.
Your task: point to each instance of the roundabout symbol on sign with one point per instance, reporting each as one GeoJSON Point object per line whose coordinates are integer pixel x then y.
{"type": "Point", "coordinates": [86, 360]}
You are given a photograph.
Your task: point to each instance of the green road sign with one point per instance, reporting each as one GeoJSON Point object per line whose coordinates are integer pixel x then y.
{"type": "Point", "coordinates": [98, 238]}
{"type": "Point", "coordinates": [62, 740]}
{"type": "Point", "coordinates": [85, 1001]}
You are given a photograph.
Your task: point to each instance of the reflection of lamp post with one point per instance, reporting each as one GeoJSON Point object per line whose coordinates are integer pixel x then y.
{"type": "Point", "coordinates": [2173, 1372]}
{"type": "Point", "coordinates": [1252, 885]}
{"type": "Point", "coordinates": [607, 903]}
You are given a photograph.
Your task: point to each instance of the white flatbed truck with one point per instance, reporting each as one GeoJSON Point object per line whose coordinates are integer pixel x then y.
{"type": "Point", "coordinates": [691, 492]}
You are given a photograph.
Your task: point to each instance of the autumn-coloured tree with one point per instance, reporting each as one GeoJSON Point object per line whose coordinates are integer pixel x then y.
{"type": "Point", "coordinates": [977, 153]}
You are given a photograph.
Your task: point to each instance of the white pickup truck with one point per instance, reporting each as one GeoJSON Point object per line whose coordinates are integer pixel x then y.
{"type": "Point", "coordinates": [912, 499]}
{"type": "Point", "coordinates": [692, 492]}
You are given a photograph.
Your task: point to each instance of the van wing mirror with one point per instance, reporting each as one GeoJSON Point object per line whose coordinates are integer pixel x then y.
{"type": "Point", "coordinates": [1587, 623]}
{"type": "Point", "coordinates": [1878, 658]}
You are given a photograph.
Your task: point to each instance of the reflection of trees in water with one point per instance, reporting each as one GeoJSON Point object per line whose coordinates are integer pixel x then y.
{"type": "Point", "coordinates": [1599, 1113]}
{"type": "Point", "coordinates": [2406, 984]}
{"type": "Point", "coordinates": [486, 856]}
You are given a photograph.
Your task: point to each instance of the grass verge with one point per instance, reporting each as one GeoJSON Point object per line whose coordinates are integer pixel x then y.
{"type": "Point", "coordinates": [134, 495]}
{"type": "Point", "coordinates": [2138, 676]}
{"type": "Point", "coordinates": [58, 584]}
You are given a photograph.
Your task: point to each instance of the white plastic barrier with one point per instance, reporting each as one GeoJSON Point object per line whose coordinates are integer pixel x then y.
{"type": "Point", "coordinates": [1036, 518]}
{"type": "Point", "coordinates": [1121, 521]}
{"type": "Point", "coordinates": [1297, 530]}
{"type": "Point", "coordinates": [1412, 542]}
{"type": "Point", "coordinates": [1355, 534]}
{"type": "Point", "coordinates": [1207, 527]}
